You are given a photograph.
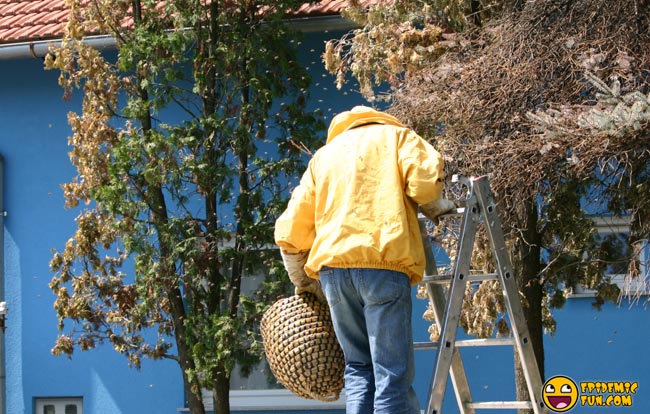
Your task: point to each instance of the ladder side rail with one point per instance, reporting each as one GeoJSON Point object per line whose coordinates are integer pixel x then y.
{"type": "Point", "coordinates": [456, 294]}
{"type": "Point", "coordinates": [518, 322]}
{"type": "Point", "coordinates": [437, 299]}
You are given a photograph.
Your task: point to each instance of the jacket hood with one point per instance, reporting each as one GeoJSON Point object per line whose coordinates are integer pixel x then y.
{"type": "Point", "coordinates": [358, 116]}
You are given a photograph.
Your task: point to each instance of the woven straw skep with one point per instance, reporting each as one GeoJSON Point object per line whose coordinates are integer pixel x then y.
{"type": "Point", "coordinates": [302, 349]}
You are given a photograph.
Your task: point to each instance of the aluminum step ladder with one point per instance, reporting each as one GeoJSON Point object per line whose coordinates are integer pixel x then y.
{"type": "Point", "coordinates": [446, 294]}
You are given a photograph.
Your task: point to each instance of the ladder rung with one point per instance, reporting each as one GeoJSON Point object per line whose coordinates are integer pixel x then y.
{"type": "Point", "coordinates": [446, 278]}
{"type": "Point", "coordinates": [501, 405]}
{"type": "Point", "coordinates": [467, 343]}
{"type": "Point", "coordinates": [486, 342]}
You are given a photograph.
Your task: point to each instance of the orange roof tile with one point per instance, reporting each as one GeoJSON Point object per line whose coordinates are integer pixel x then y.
{"type": "Point", "coordinates": [33, 20]}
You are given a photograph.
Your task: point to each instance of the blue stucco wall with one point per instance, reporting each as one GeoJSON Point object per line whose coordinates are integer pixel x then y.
{"type": "Point", "coordinates": [33, 142]}
{"type": "Point", "coordinates": [609, 345]}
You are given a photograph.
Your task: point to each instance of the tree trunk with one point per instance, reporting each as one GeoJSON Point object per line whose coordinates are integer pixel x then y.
{"type": "Point", "coordinates": [194, 401]}
{"type": "Point", "coordinates": [221, 393]}
{"type": "Point", "coordinates": [529, 283]}
{"type": "Point", "coordinates": [192, 386]}
{"type": "Point", "coordinates": [177, 312]}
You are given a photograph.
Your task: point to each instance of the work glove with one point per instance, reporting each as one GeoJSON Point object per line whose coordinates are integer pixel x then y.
{"type": "Point", "coordinates": [295, 265]}
{"type": "Point", "coordinates": [435, 209]}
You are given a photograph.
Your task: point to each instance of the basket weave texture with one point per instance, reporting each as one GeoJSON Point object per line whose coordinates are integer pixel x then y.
{"type": "Point", "coordinates": [302, 349]}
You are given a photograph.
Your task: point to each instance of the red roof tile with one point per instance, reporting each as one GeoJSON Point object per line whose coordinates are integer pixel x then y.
{"type": "Point", "coordinates": [32, 20]}
{"type": "Point", "coordinates": [23, 20]}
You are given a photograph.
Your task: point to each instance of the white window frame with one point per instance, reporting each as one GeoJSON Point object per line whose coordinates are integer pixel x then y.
{"type": "Point", "coordinates": [639, 285]}
{"type": "Point", "coordinates": [58, 402]}
{"type": "Point", "coordinates": [272, 400]}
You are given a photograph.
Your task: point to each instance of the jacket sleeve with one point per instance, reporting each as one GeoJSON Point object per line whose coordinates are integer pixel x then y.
{"type": "Point", "coordinates": [422, 168]}
{"type": "Point", "coordinates": [295, 228]}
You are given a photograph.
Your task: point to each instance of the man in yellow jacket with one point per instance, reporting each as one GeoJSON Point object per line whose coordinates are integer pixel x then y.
{"type": "Point", "coordinates": [352, 224]}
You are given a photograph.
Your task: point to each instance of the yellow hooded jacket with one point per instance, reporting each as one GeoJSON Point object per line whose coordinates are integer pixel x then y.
{"type": "Point", "coordinates": [356, 205]}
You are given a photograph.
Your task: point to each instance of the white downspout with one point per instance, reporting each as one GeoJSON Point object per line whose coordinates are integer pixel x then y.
{"type": "Point", "coordinates": [3, 304]}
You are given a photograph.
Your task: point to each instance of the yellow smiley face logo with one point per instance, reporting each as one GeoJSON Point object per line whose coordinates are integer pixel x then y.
{"type": "Point", "coordinates": [560, 394]}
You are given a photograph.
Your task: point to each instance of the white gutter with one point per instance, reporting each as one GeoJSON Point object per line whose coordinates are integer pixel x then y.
{"type": "Point", "coordinates": [40, 48]}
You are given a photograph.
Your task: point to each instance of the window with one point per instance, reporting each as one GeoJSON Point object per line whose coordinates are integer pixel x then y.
{"type": "Point", "coordinates": [260, 390]}
{"type": "Point", "coordinates": [63, 405]}
{"type": "Point", "coordinates": [616, 230]}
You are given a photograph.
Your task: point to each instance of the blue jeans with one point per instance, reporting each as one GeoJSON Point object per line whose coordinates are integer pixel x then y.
{"type": "Point", "coordinates": [371, 313]}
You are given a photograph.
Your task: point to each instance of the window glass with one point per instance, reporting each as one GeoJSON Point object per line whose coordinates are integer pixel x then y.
{"type": "Point", "coordinates": [71, 409]}
{"type": "Point", "coordinates": [48, 409]}
{"type": "Point", "coordinates": [260, 377]}
{"type": "Point", "coordinates": [615, 252]}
